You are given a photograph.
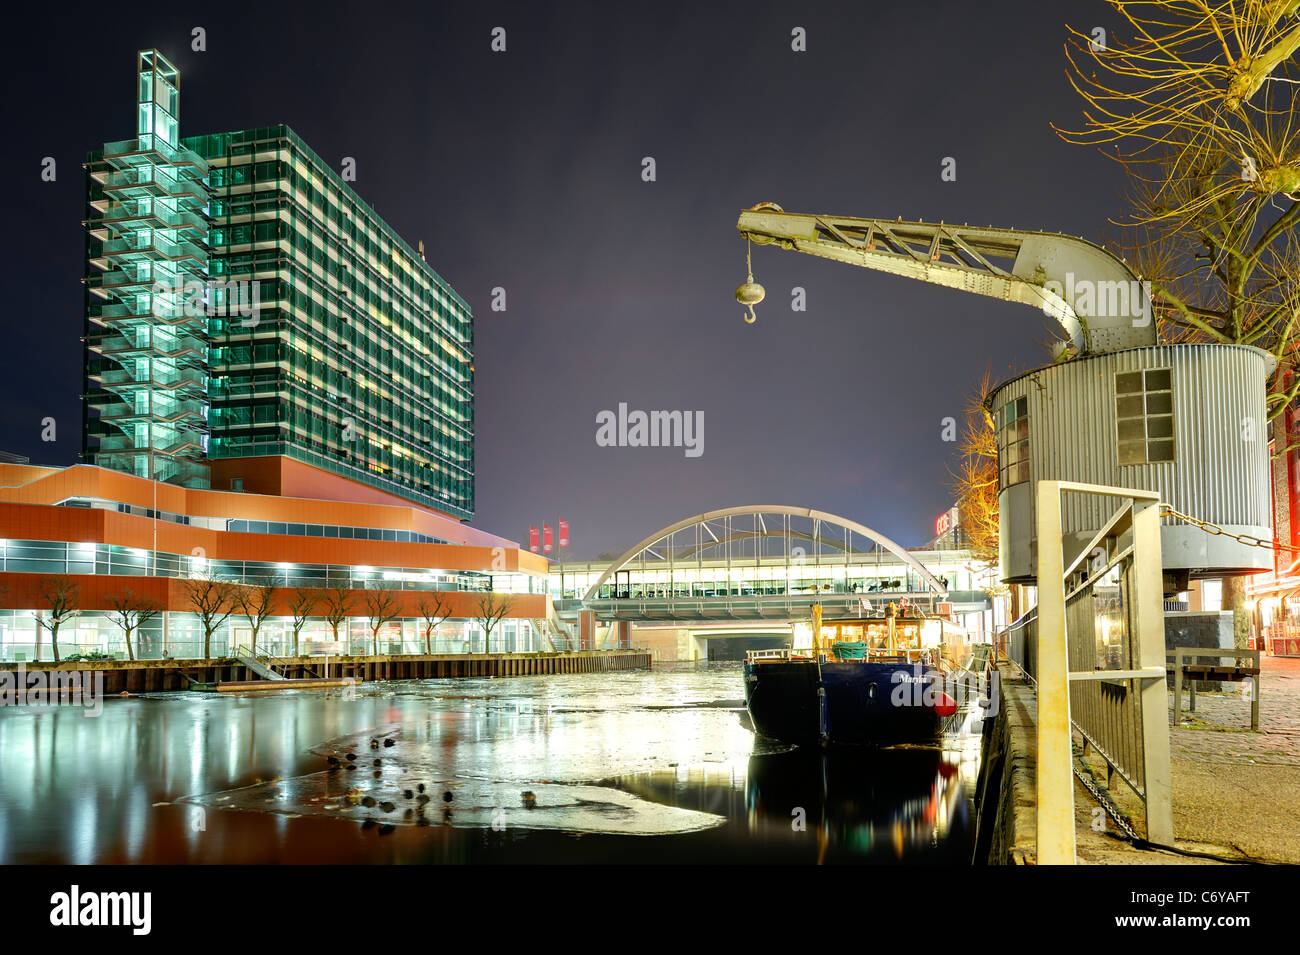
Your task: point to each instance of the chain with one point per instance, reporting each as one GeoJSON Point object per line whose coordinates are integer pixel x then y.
{"type": "Point", "coordinates": [1104, 800]}
{"type": "Point", "coordinates": [1214, 530]}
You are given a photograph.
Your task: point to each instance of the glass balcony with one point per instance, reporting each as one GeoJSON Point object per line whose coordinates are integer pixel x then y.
{"type": "Point", "coordinates": [156, 218]}
{"type": "Point", "coordinates": [169, 379]}
{"type": "Point", "coordinates": [153, 181]}
{"type": "Point", "coordinates": [154, 246]}
{"type": "Point", "coordinates": [127, 320]}
{"type": "Point", "coordinates": [150, 148]}
{"type": "Point", "coordinates": [120, 413]}
{"type": "Point", "coordinates": [117, 279]}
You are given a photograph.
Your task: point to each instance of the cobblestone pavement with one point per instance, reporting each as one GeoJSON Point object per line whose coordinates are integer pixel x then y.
{"type": "Point", "coordinates": [1236, 792]}
{"type": "Point", "coordinates": [1219, 730]}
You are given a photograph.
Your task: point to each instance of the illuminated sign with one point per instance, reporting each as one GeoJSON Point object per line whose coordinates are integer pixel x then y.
{"type": "Point", "coordinates": [943, 523]}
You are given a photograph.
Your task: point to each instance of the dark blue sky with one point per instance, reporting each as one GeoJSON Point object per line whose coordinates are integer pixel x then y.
{"type": "Point", "coordinates": [523, 170]}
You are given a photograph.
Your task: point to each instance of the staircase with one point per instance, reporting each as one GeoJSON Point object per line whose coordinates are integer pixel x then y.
{"type": "Point", "coordinates": [259, 663]}
{"type": "Point", "coordinates": [556, 632]}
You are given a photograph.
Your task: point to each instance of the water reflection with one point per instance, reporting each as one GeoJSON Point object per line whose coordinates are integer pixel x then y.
{"type": "Point", "coordinates": [864, 806]}
{"type": "Point", "coordinates": [641, 766]}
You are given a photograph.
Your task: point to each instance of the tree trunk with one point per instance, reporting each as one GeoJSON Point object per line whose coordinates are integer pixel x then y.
{"type": "Point", "coordinates": [295, 642]}
{"type": "Point", "coordinates": [428, 640]}
{"type": "Point", "coordinates": [1234, 599]}
{"type": "Point", "coordinates": [130, 650]}
{"type": "Point", "coordinates": [39, 630]}
{"type": "Point", "coordinates": [54, 642]}
{"type": "Point", "coordinates": [207, 644]}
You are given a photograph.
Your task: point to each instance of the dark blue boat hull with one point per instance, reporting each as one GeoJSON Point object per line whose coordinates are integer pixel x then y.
{"type": "Point", "coordinates": [865, 704]}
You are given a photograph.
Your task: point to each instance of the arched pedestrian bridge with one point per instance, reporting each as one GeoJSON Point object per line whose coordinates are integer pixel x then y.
{"type": "Point", "coordinates": [758, 563]}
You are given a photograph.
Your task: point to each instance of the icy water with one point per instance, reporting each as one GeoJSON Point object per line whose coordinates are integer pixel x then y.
{"type": "Point", "coordinates": [641, 766]}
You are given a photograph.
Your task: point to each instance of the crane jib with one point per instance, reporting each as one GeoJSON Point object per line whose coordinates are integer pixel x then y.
{"type": "Point", "coordinates": [1099, 302]}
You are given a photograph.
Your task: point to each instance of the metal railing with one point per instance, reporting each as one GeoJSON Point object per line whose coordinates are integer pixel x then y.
{"type": "Point", "coordinates": [255, 662]}
{"type": "Point", "coordinates": [908, 655]}
{"type": "Point", "coordinates": [275, 665]}
{"type": "Point", "coordinates": [1098, 662]}
{"type": "Point", "coordinates": [1019, 642]}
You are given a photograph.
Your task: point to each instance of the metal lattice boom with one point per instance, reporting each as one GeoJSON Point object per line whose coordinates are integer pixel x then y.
{"type": "Point", "coordinates": [1097, 299]}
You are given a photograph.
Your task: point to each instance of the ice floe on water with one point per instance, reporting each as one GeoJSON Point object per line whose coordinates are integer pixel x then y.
{"type": "Point", "coordinates": [392, 776]}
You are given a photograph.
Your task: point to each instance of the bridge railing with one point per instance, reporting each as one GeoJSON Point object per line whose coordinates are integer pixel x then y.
{"type": "Point", "coordinates": [767, 606]}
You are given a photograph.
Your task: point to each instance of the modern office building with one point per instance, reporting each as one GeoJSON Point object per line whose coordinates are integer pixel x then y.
{"type": "Point", "coordinates": [279, 399]}
{"type": "Point", "coordinates": [111, 536]}
{"type": "Point", "coordinates": [246, 309]}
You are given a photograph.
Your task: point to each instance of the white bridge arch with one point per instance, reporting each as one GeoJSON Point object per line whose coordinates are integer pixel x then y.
{"type": "Point", "coordinates": [760, 532]}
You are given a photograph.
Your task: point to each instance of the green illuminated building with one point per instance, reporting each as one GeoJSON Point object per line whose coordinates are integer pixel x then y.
{"type": "Point", "coordinates": [320, 336]}
{"type": "Point", "coordinates": [146, 358]}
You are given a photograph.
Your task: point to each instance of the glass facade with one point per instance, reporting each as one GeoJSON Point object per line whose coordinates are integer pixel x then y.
{"type": "Point", "coordinates": [62, 557]}
{"type": "Point", "coordinates": [243, 301]}
{"type": "Point", "coordinates": [359, 358]}
{"type": "Point", "coordinates": [146, 344]}
{"type": "Point", "coordinates": [180, 636]}
{"type": "Point", "coordinates": [886, 577]}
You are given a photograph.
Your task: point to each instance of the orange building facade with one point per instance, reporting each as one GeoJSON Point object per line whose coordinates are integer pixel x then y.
{"type": "Point", "coordinates": [308, 535]}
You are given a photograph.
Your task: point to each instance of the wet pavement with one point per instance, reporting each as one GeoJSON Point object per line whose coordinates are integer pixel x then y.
{"type": "Point", "coordinates": [1236, 793]}
{"type": "Point", "coordinates": [638, 766]}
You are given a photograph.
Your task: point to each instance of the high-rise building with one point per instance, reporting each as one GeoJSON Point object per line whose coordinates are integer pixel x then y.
{"type": "Point", "coordinates": [245, 309]}
{"type": "Point", "coordinates": [252, 326]}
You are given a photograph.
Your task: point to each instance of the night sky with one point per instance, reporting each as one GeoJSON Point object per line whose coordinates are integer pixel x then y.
{"type": "Point", "coordinates": [523, 170]}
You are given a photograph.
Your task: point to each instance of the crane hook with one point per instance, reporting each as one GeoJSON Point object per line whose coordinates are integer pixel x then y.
{"type": "Point", "coordinates": [751, 293]}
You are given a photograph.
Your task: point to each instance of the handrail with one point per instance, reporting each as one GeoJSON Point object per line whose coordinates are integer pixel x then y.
{"type": "Point", "coordinates": [272, 663]}
{"type": "Point", "coordinates": [874, 654]}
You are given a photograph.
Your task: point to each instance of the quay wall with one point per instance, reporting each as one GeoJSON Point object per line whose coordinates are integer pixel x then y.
{"type": "Point", "coordinates": [151, 676]}
{"type": "Point", "coordinates": [1006, 797]}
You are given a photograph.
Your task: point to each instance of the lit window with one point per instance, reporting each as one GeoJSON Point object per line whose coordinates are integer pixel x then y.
{"type": "Point", "coordinates": [1013, 441]}
{"type": "Point", "coordinates": [1144, 416]}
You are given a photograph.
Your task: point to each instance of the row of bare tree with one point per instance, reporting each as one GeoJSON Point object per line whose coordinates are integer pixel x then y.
{"type": "Point", "coordinates": [213, 601]}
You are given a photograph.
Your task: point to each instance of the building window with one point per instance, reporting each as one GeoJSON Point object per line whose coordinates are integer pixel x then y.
{"type": "Point", "coordinates": [1211, 595]}
{"type": "Point", "coordinates": [1013, 442]}
{"type": "Point", "coordinates": [1144, 416]}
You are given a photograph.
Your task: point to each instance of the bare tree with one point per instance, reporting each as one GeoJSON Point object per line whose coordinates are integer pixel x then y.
{"type": "Point", "coordinates": [212, 601]}
{"type": "Point", "coordinates": [336, 602]}
{"type": "Point", "coordinates": [380, 609]}
{"type": "Point", "coordinates": [975, 481]}
{"type": "Point", "coordinates": [1191, 80]}
{"type": "Point", "coordinates": [1198, 105]}
{"type": "Point", "coordinates": [433, 611]}
{"type": "Point", "coordinates": [492, 607]}
{"type": "Point", "coordinates": [130, 611]}
{"type": "Point", "coordinates": [301, 606]}
{"type": "Point", "coordinates": [254, 602]}
{"type": "Point", "coordinates": [60, 594]}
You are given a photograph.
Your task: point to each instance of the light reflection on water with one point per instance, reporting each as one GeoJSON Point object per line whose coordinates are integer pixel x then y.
{"type": "Point", "coordinates": [605, 755]}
